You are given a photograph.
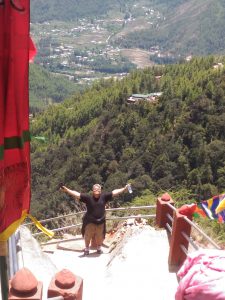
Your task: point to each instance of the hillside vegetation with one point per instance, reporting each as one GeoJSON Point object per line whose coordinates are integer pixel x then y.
{"type": "Point", "coordinates": [47, 88]}
{"type": "Point", "coordinates": [46, 10]}
{"type": "Point", "coordinates": [174, 145]}
{"type": "Point", "coordinates": [188, 27]}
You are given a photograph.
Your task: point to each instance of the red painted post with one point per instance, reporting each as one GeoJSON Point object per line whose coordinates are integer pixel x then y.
{"type": "Point", "coordinates": [67, 285]}
{"type": "Point", "coordinates": [177, 255]}
{"type": "Point", "coordinates": [162, 209]}
{"type": "Point", "coordinates": [25, 286]}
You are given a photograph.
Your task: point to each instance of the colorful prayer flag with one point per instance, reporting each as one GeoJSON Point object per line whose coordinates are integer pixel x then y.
{"type": "Point", "coordinates": [221, 206]}
{"type": "Point", "coordinates": [213, 208]}
{"type": "Point", "coordinates": [187, 209]}
{"type": "Point", "coordinates": [199, 212]}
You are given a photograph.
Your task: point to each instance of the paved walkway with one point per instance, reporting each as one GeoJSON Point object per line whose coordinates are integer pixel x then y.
{"type": "Point", "coordinates": [135, 269]}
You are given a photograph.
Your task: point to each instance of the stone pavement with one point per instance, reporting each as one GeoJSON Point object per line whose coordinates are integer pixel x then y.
{"type": "Point", "coordinates": [135, 268]}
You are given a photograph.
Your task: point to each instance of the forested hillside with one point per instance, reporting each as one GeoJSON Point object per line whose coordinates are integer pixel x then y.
{"type": "Point", "coordinates": [176, 144]}
{"type": "Point", "coordinates": [46, 10]}
{"type": "Point", "coordinates": [188, 27]}
{"type": "Point", "coordinates": [46, 88]}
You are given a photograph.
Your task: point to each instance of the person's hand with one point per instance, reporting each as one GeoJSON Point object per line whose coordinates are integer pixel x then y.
{"type": "Point", "coordinates": [128, 188]}
{"type": "Point", "coordinates": [62, 188]}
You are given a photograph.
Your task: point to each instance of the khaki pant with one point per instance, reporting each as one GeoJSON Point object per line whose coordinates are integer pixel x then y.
{"type": "Point", "coordinates": [94, 232]}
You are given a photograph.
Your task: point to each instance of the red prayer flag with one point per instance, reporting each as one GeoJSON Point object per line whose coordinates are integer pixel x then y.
{"type": "Point", "coordinates": [14, 115]}
{"type": "Point", "coordinates": [32, 51]}
{"type": "Point", "coordinates": [187, 209]}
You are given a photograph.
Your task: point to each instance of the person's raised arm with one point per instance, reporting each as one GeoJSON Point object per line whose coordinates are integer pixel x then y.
{"type": "Point", "coordinates": [75, 194]}
{"type": "Point", "coordinates": [120, 191]}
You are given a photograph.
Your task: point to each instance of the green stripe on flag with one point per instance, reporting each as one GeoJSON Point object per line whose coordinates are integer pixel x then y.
{"type": "Point", "coordinates": [1, 152]}
{"type": "Point", "coordinates": [14, 142]}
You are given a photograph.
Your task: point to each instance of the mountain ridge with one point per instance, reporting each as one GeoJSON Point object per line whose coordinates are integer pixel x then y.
{"type": "Point", "coordinates": [191, 28]}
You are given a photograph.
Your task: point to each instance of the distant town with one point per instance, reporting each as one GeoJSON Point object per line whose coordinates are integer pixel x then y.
{"type": "Point", "coordinates": [85, 50]}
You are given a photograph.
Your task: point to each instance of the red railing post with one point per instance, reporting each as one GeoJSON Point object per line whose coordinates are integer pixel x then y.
{"type": "Point", "coordinates": [162, 209]}
{"type": "Point", "coordinates": [24, 285]}
{"type": "Point", "coordinates": [67, 285]}
{"type": "Point", "coordinates": [177, 255]}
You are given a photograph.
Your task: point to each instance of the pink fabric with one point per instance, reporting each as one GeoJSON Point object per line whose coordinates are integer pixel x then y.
{"type": "Point", "coordinates": [202, 276]}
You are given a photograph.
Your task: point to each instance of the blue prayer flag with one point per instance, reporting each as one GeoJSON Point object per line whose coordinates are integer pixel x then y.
{"type": "Point", "coordinates": [210, 206]}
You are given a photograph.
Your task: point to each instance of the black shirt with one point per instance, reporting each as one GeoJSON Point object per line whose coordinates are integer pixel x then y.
{"type": "Point", "coordinates": [95, 207]}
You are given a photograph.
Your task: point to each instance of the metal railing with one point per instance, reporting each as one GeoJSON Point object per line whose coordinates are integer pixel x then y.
{"type": "Point", "coordinates": [169, 227]}
{"type": "Point", "coordinates": [112, 218]}
{"type": "Point", "coordinates": [190, 239]}
{"type": "Point", "coordinates": [202, 233]}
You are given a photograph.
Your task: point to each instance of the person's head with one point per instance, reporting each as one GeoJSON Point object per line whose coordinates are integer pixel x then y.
{"type": "Point", "coordinates": [96, 190]}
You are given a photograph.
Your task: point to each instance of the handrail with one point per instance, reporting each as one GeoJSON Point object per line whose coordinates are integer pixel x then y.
{"type": "Point", "coordinates": [131, 217]}
{"type": "Point", "coordinates": [55, 218]}
{"type": "Point", "coordinates": [82, 212]}
{"type": "Point", "coordinates": [59, 229]}
{"type": "Point", "coordinates": [109, 218]}
{"type": "Point", "coordinates": [126, 217]}
{"type": "Point", "coordinates": [171, 206]}
{"type": "Point", "coordinates": [169, 227]}
{"type": "Point", "coordinates": [190, 240]}
{"type": "Point", "coordinates": [202, 232]}
{"type": "Point", "coordinates": [169, 217]}
{"type": "Point", "coordinates": [184, 249]}
{"type": "Point", "coordinates": [131, 207]}
{"type": "Point", "coordinates": [196, 227]}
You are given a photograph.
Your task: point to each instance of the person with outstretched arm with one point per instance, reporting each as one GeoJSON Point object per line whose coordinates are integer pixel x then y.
{"type": "Point", "coordinates": [94, 225]}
